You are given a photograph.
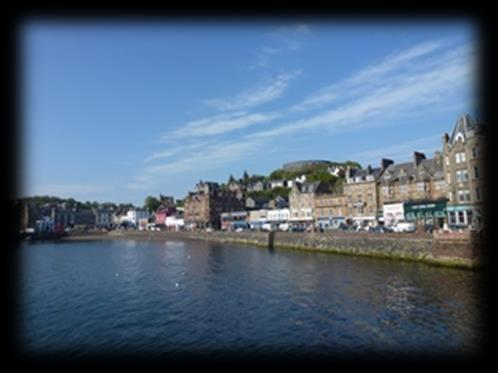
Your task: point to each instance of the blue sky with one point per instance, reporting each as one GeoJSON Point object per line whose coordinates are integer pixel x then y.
{"type": "Point", "coordinates": [116, 112]}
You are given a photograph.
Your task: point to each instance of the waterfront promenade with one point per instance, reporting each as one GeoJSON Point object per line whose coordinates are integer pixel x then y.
{"type": "Point", "coordinates": [446, 251]}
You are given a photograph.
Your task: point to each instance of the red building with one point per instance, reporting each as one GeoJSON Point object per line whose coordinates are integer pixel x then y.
{"type": "Point", "coordinates": [162, 213]}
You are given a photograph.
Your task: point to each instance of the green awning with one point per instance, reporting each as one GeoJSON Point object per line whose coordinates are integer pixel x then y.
{"type": "Point", "coordinates": [422, 210]}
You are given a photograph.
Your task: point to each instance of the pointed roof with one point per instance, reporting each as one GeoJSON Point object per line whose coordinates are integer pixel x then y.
{"type": "Point", "coordinates": [465, 127]}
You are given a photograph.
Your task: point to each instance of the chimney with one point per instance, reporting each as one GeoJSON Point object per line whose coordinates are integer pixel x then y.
{"type": "Point", "coordinates": [446, 138]}
{"type": "Point", "coordinates": [417, 158]}
{"type": "Point", "coordinates": [385, 163]}
{"type": "Point", "coordinates": [369, 170]}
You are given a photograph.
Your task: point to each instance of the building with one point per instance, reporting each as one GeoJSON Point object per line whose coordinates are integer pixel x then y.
{"type": "Point", "coordinates": [256, 203]}
{"type": "Point", "coordinates": [257, 186]}
{"type": "Point", "coordinates": [463, 165]}
{"type": "Point", "coordinates": [360, 190]}
{"type": "Point", "coordinates": [279, 202]}
{"type": "Point", "coordinates": [302, 201]}
{"type": "Point", "coordinates": [278, 184]}
{"type": "Point", "coordinates": [420, 186]}
{"type": "Point", "coordinates": [257, 218]}
{"type": "Point", "coordinates": [298, 165]}
{"type": "Point", "coordinates": [203, 207]}
{"type": "Point", "coordinates": [166, 201]}
{"type": "Point", "coordinates": [135, 215]}
{"type": "Point", "coordinates": [230, 221]}
{"type": "Point", "coordinates": [163, 212]}
{"type": "Point", "coordinates": [278, 216]}
{"type": "Point", "coordinates": [330, 206]}
{"type": "Point", "coordinates": [103, 218]}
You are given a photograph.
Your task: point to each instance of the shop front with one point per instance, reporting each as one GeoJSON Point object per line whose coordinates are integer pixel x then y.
{"type": "Point", "coordinates": [426, 213]}
{"type": "Point", "coordinates": [460, 215]}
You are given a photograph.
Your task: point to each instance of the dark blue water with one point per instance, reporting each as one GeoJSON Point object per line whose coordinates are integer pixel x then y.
{"type": "Point", "coordinates": [85, 298]}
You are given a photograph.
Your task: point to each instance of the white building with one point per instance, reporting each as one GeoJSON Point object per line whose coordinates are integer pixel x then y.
{"type": "Point", "coordinates": [277, 183]}
{"type": "Point", "coordinates": [174, 222]}
{"type": "Point", "coordinates": [393, 213]}
{"type": "Point", "coordinates": [279, 215]}
{"type": "Point", "coordinates": [134, 216]}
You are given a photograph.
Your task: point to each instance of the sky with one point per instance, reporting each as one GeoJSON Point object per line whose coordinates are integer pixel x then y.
{"type": "Point", "coordinates": [119, 111]}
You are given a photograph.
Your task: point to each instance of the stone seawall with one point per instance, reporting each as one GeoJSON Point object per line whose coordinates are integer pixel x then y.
{"type": "Point", "coordinates": [425, 248]}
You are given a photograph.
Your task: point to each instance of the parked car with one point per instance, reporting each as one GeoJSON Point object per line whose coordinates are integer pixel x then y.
{"type": "Point", "coordinates": [266, 227]}
{"type": "Point", "coordinates": [296, 229]}
{"type": "Point", "coordinates": [284, 227]}
{"type": "Point", "coordinates": [404, 226]}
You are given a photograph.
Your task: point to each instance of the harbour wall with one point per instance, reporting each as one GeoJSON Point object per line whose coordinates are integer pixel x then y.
{"type": "Point", "coordinates": [448, 250]}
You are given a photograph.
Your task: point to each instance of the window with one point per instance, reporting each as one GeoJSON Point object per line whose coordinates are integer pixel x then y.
{"type": "Point", "coordinates": [478, 194]}
{"type": "Point", "coordinates": [421, 187]}
{"type": "Point", "coordinates": [447, 160]}
{"type": "Point", "coordinates": [469, 216]}
{"type": "Point", "coordinates": [460, 157]}
{"type": "Point", "coordinates": [463, 196]}
{"type": "Point", "coordinates": [462, 175]}
{"type": "Point", "coordinates": [403, 189]}
{"type": "Point", "coordinates": [448, 178]}
{"type": "Point", "coordinates": [475, 153]}
{"type": "Point", "coordinates": [476, 172]}
{"type": "Point", "coordinates": [452, 217]}
{"type": "Point", "coordinates": [461, 217]}
{"type": "Point", "coordinates": [440, 185]}
{"type": "Point", "coordinates": [385, 191]}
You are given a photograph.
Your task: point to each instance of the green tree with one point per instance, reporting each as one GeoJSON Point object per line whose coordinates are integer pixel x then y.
{"type": "Point", "coordinates": [151, 203]}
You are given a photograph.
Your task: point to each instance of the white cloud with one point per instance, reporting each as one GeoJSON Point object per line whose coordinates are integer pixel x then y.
{"type": "Point", "coordinates": [407, 83]}
{"type": "Point", "coordinates": [265, 92]}
{"type": "Point", "coordinates": [206, 157]}
{"type": "Point", "coordinates": [284, 39]}
{"type": "Point", "coordinates": [401, 151]}
{"type": "Point", "coordinates": [220, 124]}
{"type": "Point", "coordinates": [407, 91]}
{"type": "Point", "coordinates": [390, 68]}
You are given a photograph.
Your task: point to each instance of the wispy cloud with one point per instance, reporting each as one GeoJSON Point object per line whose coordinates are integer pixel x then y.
{"type": "Point", "coordinates": [400, 151]}
{"type": "Point", "coordinates": [219, 124]}
{"type": "Point", "coordinates": [392, 67]}
{"type": "Point", "coordinates": [283, 39]}
{"type": "Point", "coordinates": [209, 156]}
{"type": "Point", "coordinates": [269, 90]}
{"type": "Point", "coordinates": [420, 79]}
{"type": "Point", "coordinates": [405, 91]}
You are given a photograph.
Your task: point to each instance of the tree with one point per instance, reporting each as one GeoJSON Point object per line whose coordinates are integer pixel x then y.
{"type": "Point", "coordinates": [245, 177]}
{"type": "Point", "coordinates": [151, 203]}
{"type": "Point", "coordinates": [231, 179]}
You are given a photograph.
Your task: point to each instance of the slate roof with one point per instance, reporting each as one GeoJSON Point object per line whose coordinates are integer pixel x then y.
{"type": "Point", "coordinates": [429, 165]}
{"type": "Point", "coordinates": [363, 173]}
{"type": "Point", "coordinates": [308, 187]}
{"type": "Point", "coordinates": [465, 125]}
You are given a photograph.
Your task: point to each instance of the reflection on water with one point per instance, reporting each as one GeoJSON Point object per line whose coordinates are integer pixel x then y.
{"type": "Point", "coordinates": [192, 296]}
